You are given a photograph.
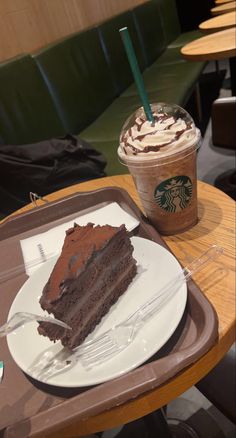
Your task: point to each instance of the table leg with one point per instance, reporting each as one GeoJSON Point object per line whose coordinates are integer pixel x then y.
{"type": "Point", "coordinates": [217, 67]}
{"type": "Point", "coordinates": [197, 96]}
{"type": "Point", "coordinates": [232, 65]}
{"type": "Point", "coordinates": [227, 183]}
{"type": "Point", "coordinates": [157, 425]}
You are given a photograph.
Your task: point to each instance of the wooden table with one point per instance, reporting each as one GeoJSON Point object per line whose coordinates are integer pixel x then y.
{"type": "Point", "coordinates": [220, 22]}
{"type": "Point", "coordinates": [219, 2]}
{"type": "Point", "coordinates": [222, 9]}
{"type": "Point", "coordinates": [216, 46]}
{"type": "Point", "coordinates": [219, 45]}
{"type": "Point", "coordinates": [216, 225]}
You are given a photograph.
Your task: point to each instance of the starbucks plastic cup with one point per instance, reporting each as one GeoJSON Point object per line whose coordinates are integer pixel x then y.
{"type": "Point", "coordinates": [161, 157]}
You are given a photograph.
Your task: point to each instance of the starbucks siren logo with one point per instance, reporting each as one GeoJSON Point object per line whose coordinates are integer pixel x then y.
{"type": "Point", "coordinates": [174, 194]}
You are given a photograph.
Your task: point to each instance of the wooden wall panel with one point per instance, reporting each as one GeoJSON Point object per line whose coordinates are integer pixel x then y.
{"type": "Point", "coordinates": [26, 25]}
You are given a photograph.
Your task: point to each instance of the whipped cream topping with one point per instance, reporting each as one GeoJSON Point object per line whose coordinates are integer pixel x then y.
{"type": "Point", "coordinates": [168, 133]}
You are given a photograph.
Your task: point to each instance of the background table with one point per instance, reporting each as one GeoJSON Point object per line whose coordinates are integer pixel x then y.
{"type": "Point", "coordinates": [216, 225]}
{"type": "Point", "coordinates": [218, 45]}
{"type": "Point", "coordinates": [221, 9]}
{"type": "Point", "coordinates": [220, 22]}
{"type": "Point", "coordinates": [219, 2]}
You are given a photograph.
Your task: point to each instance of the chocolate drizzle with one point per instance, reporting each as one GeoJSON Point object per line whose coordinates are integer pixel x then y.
{"type": "Point", "coordinates": [129, 136]}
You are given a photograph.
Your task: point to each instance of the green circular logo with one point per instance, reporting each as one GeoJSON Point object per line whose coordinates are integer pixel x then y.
{"type": "Point", "coordinates": [174, 194]}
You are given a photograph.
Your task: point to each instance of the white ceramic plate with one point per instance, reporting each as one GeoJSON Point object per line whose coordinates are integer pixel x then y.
{"type": "Point", "coordinates": [156, 266]}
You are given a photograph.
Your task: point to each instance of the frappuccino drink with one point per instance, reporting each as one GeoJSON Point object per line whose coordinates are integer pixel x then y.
{"type": "Point", "coordinates": [161, 157]}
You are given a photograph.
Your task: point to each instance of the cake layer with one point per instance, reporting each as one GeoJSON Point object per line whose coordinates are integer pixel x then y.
{"type": "Point", "coordinates": [81, 243]}
{"type": "Point", "coordinates": [77, 311]}
{"type": "Point", "coordinates": [103, 308]}
{"type": "Point", "coordinates": [93, 314]}
{"type": "Point", "coordinates": [100, 265]}
{"type": "Point", "coordinates": [94, 269]}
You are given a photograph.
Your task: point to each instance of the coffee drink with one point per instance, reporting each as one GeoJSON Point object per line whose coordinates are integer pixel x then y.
{"type": "Point", "coordinates": [161, 157]}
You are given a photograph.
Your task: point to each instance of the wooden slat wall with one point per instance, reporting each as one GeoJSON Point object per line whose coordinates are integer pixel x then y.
{"type": "Point", "coordinates": [26, 25]}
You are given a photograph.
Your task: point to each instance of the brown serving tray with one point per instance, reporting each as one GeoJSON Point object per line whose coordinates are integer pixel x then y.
{"type": "Point", "coordinates": [30, 408]}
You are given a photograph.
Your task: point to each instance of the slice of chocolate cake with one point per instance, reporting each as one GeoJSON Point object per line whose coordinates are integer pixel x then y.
{"type": "Point", "coordinates": [94, 269]}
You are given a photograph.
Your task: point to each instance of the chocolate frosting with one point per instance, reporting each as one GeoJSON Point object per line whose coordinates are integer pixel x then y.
{"type": "Point", "coordinates": [79, 245]}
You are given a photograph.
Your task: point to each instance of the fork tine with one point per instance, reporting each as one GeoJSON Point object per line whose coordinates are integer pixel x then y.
{"type": "Point", "coordinates": [97, 349]}
{"type": "Point", "coordinates": [95, 343]}
{"type": "Point", "coordinates": [95, 358]}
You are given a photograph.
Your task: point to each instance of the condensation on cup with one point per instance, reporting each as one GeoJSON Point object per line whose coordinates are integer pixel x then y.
{"type": "Point", "coordinates": [161, 157]}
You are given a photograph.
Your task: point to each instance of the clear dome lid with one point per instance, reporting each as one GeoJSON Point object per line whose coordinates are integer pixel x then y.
{"type": "Point", "coordinates": [173, 131]}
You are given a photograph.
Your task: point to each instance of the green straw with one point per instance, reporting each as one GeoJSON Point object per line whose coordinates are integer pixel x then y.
{"type": "Point", "coordinates": [136, 72]}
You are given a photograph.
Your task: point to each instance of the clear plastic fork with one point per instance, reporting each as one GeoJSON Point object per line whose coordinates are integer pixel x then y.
{"type": "Point", "coordinates": [119, 337]}
{"type": "Point", "coordinates": [22, 318]}
{"type": "Point", "coordinates": [116, 339]}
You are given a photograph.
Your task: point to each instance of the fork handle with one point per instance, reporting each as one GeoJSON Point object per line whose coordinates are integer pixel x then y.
{"type": "Point", "coordinates": [21, 318]}
{"type": "Point", "coordinates": [156, 303]}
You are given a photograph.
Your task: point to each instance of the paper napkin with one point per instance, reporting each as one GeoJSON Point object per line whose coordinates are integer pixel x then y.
{"type": "Point", "coordinates": [37, 249]}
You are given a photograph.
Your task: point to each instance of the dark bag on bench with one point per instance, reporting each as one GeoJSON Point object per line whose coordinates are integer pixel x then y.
{"type": "Point", "coordinates": [45, 167]}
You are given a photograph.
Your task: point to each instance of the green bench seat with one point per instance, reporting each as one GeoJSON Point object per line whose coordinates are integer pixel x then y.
{"type": "Point", "coordinates": [27, 111]}
{"type": "Point", "coordinates": [78, 78]}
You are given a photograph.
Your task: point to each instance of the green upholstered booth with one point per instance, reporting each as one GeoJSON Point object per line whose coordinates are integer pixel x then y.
{"type": "Point", "coordinates": [171, 25]}
{"type": "Point", "coordinates": [113, 47]}
{"type": "Point", "coordinates": [149, 24]}
{"type": "Point", "coordinates": [83, 83]}
{"type": "Point", "coordinates": [170, 20]}
{"type": "Point", "coordinates": [27, 112]}
{"type": "Point", "coordinates": [78, 78]}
